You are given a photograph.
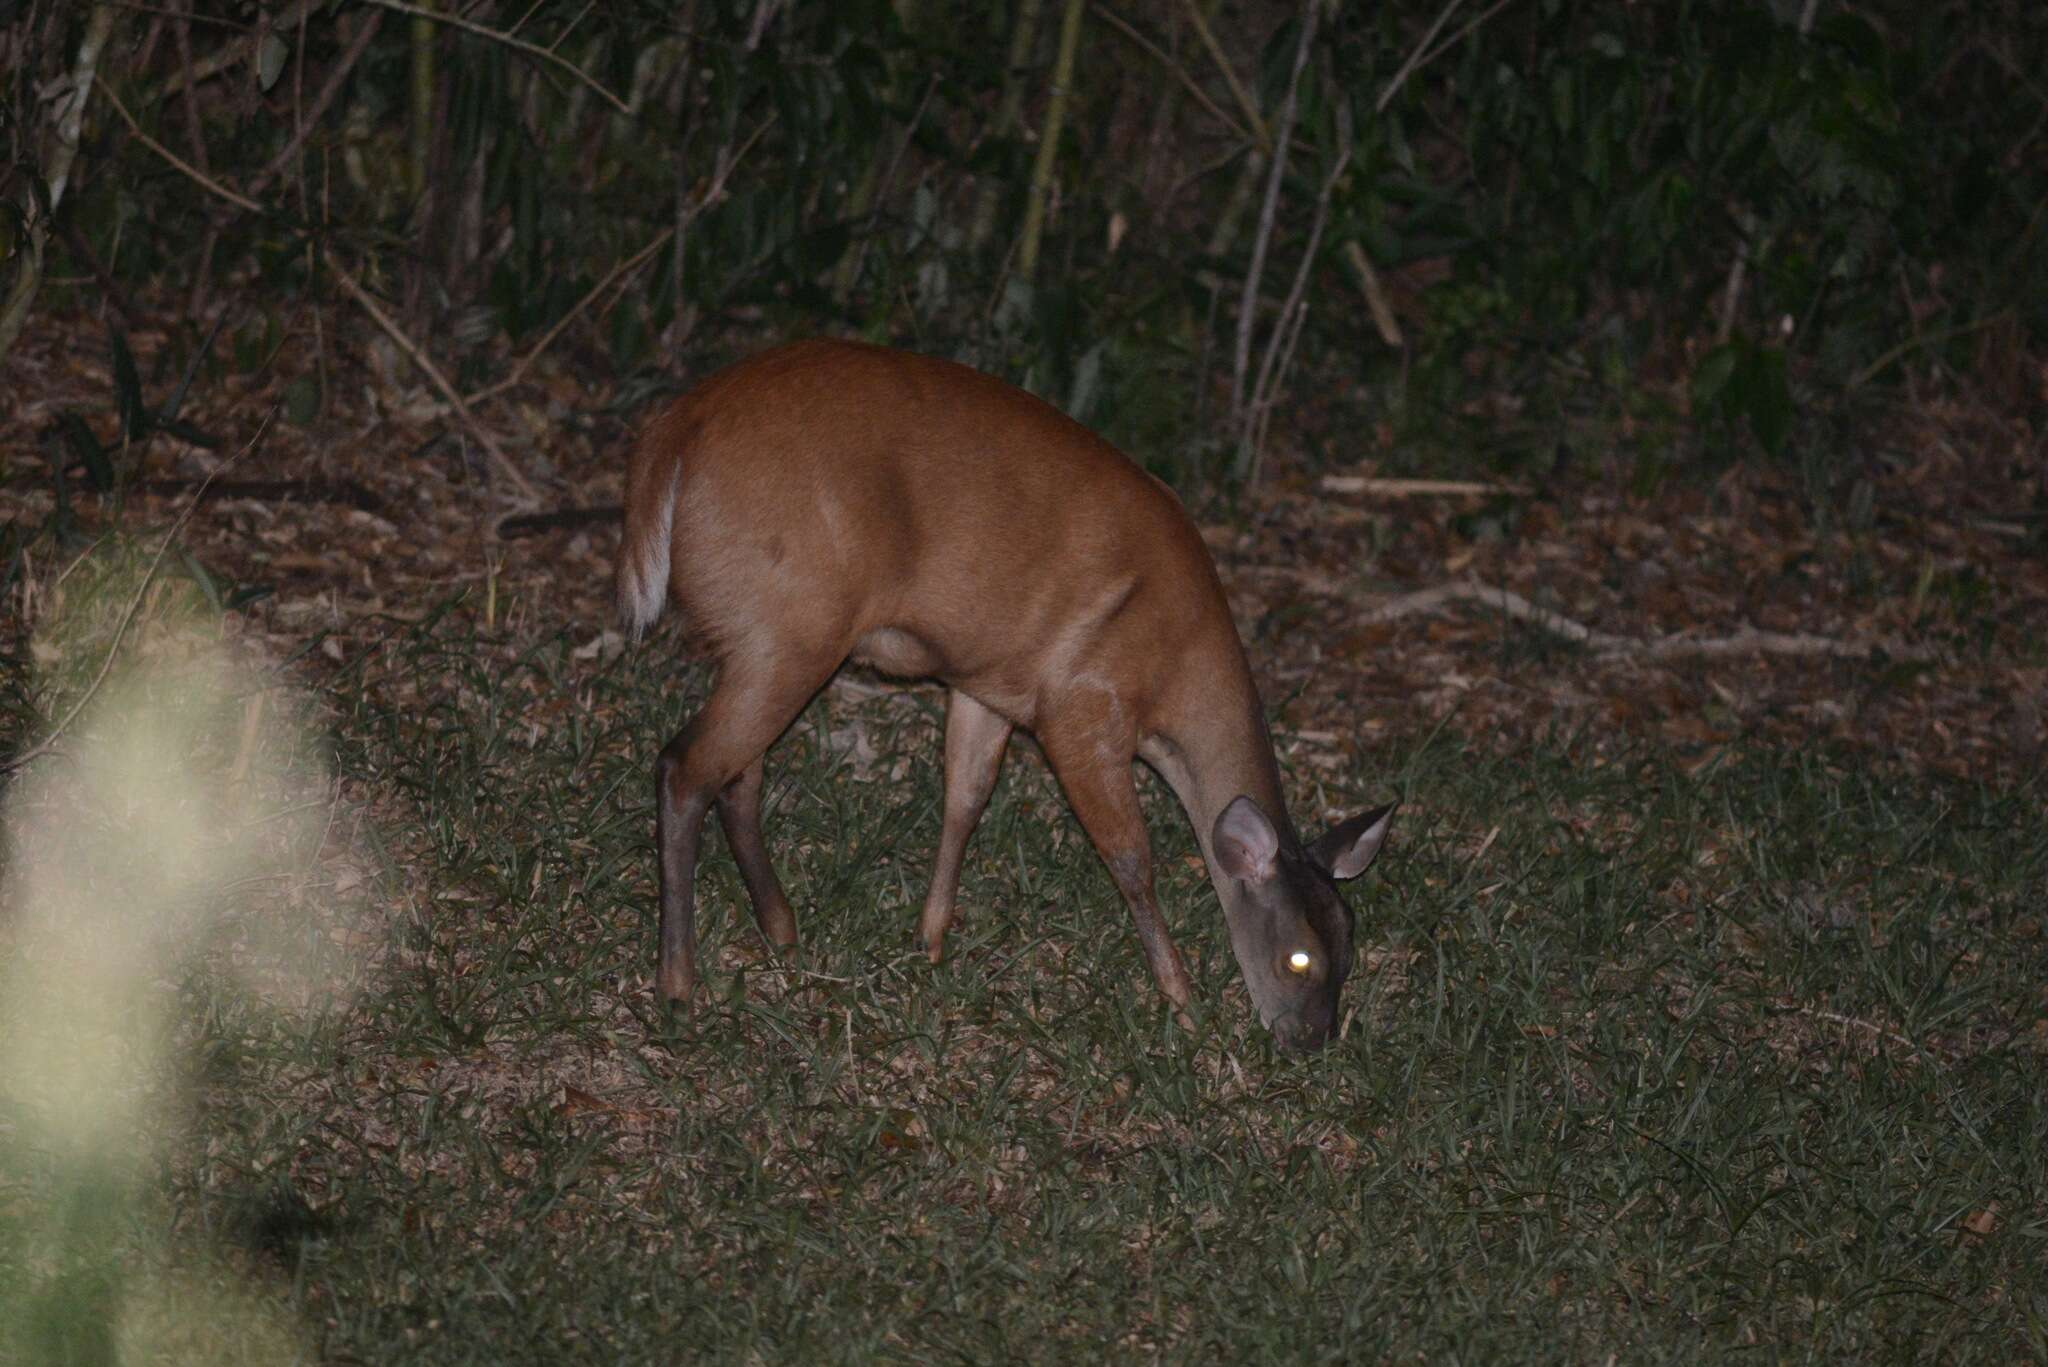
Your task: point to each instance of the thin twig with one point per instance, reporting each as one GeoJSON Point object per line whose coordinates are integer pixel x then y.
{"type": "Point", "coordinates": [520, 367]}
{"type": "Point", "coordinates": [1417, 488]}
{"type": "Point", "coordinates": [436, 378]}
{"type": "Point", "coordinates": [1871, 371]}
{"type": "Point", "coordinates": [572, 25]}
{"type": "Point", "coordinates": [111, 288]}
{"type": "Point", "coordinates": [229, 54]}
{"type": "Point", "coordinates": [1294, 311]}
{"type": "Point", "coordinates": [335, 77]}
{"type": "Point", "coordinates": [1837, 1018]}
{"type": "Point", "coordinates": [1179, 72]}
{"type": "Point", "coordinates": [709, 197]}
{"type": "Point", "coordinates": [1375, 296]}
{"type": "Point", "coordinates": [1415, 56]}
{"type": "Point", "coordinates": [181, 39]}
{"type": "Point", "coordinates": [517, 44]}
{"type": "Point", "coordinates": [156, 561]}
{"type": "Point", "coordinates": [1237, 90]}
{"type": "Point", "coordinates": [191, 172]}
{"type": "Point", "coordinates": [859, 260]}
{"type": "Point", "coordinates": [1247, 307]}
{"type": "Point", "coordinates": [1419, 60]}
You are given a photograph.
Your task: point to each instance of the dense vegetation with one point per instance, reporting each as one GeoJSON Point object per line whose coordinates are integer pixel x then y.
{"type": "Point", "coordinates": [1535, 228]}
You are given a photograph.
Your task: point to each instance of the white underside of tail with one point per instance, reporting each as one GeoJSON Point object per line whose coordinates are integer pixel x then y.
{"type": "Point", "coordinates": [643, 565]}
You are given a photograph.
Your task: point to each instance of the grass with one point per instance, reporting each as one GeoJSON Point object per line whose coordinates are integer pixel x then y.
{"type": "Point", "coordinates": [1651, 1055]}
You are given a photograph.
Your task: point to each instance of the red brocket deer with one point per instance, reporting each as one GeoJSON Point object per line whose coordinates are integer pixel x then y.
{"type": "Point", "coordinates": [829, 501]}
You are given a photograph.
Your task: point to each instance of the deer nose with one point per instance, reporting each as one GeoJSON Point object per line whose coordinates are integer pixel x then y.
{"type": "Point", "coordinates": [1297, 1035]}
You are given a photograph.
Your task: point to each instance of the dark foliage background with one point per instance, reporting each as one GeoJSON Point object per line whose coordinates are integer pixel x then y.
{"type": "Point", "coordinates": [1670, 233]}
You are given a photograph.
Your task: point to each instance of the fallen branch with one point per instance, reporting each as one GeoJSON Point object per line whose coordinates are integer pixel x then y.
{"type": "Point", "coordinates": [1416, 488]}
{"type": "Point", "coordinates": [1751, 641]}
{"type": "Point", "coordinates": [533, 524]}
{"type": "Point", "coordinates": [1511, 604]}
{"type": "Point", "coordinates": [343, 491]}
{"type": "Point", "coordinates": [1607, 646]}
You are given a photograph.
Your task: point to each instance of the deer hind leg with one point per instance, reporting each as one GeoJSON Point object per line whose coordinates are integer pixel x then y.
{"type": "Point", "coordinates": [717, 758]}
{"type": "Point", "coordinates": [975, 737]}
{"type": "Point", "coordinates": [739, 813]}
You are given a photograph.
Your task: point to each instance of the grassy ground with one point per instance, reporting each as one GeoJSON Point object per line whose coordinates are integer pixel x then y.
{"type": "Point", "coordinates": [1652, 1055]}
{"type": "Point", "coordinates": [1741, 1054]}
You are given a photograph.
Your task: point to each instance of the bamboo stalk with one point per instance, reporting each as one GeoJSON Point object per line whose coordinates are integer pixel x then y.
{"type": "Point", "coordinates": [1049, 138]}
{"type": "Point", "coordinates": [1023, 34]}
{"type": "Point", "coordinates": [422, 140]}
{"type": "Point", "coordinates": [1248, 300]}
{"type": "Point", "coordinates": [1238, 92]}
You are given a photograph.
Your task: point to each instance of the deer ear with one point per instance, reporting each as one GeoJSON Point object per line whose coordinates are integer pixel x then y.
{"type": "Point", "coordinates": [1348, 848]}
{"type": "Point", "coordinates": [1245, 843]}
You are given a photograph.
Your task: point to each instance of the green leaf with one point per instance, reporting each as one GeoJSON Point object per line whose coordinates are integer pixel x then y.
{"type": "Point", "coordinates": [186, 432]}
{"type": "Point", "coordinates": [1712, 375]}
{"type": "Point", "coordinates": [128, 388]}
{"type": "Point", "coordinates": [1768, 398]}
{"type": "Point", "coordinates": [244, 594]}
{"type": "Point", "coordinates": [270, 58]}
{"type": "Point", "coordinates": [199, 576]}
{"type": "Point", "coordinates": [253, 341]}
{"type": "Point", "coordinates": [87, 450]}
{"type": "Point", "coordinates": [301, 400]}
{"type": "Point", "coordinates": [1562, 98]}
{"type": "Point", "coordinates": [629, 336]}
{"type": "Point", "coordinates": [1087, 378]}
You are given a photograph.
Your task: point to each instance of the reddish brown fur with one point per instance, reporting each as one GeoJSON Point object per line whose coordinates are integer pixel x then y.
{"type": "Point", "coordinates": [831, 500]}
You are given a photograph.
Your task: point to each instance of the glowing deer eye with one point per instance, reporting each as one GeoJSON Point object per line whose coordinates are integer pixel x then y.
{"type": "Point", "coordinates": [1298, 961]}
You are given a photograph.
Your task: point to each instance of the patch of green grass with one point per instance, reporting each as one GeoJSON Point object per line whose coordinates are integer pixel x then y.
{"type": "Point", "coordinates": [1640, 1060]}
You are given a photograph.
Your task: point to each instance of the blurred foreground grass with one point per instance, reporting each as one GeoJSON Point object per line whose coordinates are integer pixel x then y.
{"type": "Point", "coordinates": [156, 889]}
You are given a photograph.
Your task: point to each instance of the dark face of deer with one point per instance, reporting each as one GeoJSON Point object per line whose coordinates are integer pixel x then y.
{"type": "Point", "coordinates": [1288, 926]}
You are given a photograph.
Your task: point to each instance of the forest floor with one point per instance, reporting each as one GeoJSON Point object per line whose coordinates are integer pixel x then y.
{"type": "Point", "coordinates": [1705, 613]}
